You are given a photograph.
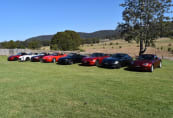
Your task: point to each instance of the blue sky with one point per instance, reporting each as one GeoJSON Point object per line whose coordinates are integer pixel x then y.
{"type": "Point", "coordinates": [22, 19]}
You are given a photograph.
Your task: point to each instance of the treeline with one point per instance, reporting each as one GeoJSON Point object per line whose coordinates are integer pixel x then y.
{"type": "Point", "coordinates": [34, 44]}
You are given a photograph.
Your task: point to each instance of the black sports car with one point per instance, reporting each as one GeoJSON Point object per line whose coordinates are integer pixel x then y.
{"type": "Point", "coordinates": [71, 58]}
{"type": "Point", "coordinates": [117, 60]}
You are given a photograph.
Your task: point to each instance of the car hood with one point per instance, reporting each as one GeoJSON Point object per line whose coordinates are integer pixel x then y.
{"type": "Point", "coordinates": [14, 56]}
{"type": "Point", "coordinates": [139, 62]}
{"type": "Point", "coordinates": [89, 58]}
{"type": "Point", "coordinates": [50, 56]}
{"type": "Point", "coordinates": [27, 56]}
{"type": "Point", "coordinates": [111, 59]}
{"type": "Point", "coordinates": [67, 57]}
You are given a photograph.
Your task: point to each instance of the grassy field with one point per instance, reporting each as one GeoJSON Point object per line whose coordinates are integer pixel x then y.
{"type": "Point", "coordinates": [44, 90]}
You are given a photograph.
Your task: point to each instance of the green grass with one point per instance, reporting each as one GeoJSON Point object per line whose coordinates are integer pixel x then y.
{"type": "Point", "coordinates": [45, 90]}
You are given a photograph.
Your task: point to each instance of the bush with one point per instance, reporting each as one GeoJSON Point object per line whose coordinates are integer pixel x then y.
{"type": "Point", "coordinates": [169, 44]}
{"type": "Point", "coordinates": [117, 43]}
{"type": "Point", "coordinates": [82, 50]}
{"type": "Point", "coordinates": [153, 45]}
{"type": "Point", "coordinates": [111, 43]}
{"type": "Point", "coordinates": [169, 49]}
{"type": "Point", "coordinates": [120, 46]}
{"type": "Point", "coordinates": [161, 48]}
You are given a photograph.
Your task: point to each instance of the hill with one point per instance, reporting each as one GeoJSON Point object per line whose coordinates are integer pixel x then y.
{"type": "Point", "coordinates": [97, 34]}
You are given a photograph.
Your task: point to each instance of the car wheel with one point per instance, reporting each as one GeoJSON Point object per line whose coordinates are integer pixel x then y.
{"type": "Point", "coordinates": [152, 68]}
{"type": "Point", "coordinates": [71, 62]}
{"type": "Point", "coordinates": [15, 59]}
{"type": "Point", "coordinates": [27, 59]}
{"type": "Point", "coordinates": [97, 63]}
{"type": "Point", "coordinates": [119, 66]}
{"type": "Point", "coordinates": [160, 65]}
{"type": "Point", "coordinates": [54, 60]}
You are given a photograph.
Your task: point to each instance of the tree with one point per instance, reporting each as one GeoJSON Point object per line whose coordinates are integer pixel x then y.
{"type": "Point", "coordinates": [68, 40]}
{"type": "Point", "coordinates": [144, 20]}
{"type": "Point", "coordinates": [35, 44]}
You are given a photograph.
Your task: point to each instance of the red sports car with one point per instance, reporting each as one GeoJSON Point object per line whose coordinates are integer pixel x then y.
{"type": "Point", "coordinates": [16, 57]}
{"type": "Point", "coordinates": [146, 62]}
{"type": "Point", "coordinates": [52, 58]}
{"type": "Point", "coordinates": [94, 59]}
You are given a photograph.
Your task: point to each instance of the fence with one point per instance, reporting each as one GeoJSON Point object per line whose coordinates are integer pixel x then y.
{"type": "Point", "coordinates": [13, 51]}
{"type": "Point", "coordinates": [8, 52]}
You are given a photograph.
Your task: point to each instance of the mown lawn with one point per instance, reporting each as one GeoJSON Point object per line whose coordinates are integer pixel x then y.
{"type": "Point", "coordinates": [44, 90]}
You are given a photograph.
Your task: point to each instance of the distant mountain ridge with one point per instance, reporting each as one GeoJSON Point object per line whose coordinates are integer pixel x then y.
{"type": "Point", "coordinates": [98, 34]}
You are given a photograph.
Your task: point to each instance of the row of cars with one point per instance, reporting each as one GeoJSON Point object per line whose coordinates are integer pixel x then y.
{"type": "Point", "coordinates": [146, 62]}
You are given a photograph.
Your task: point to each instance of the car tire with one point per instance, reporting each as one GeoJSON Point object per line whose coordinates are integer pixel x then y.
{"type": "Point", "coordinates": [160, 65]}
{"type": "Point", "coordinates": [119, 66]}
{"type": "Point", "coordinates": [15, 59]}
{"type": "Point", "coordinates": [54, 60]}
{"type": "Point", "coordinates": [71, 62]}
{"type": "Point", "coordinates": [152, 68]}
{"type": "Point", "coordinates": [27, 59]}
{"type": "Point", "coordinates": [97, 63]}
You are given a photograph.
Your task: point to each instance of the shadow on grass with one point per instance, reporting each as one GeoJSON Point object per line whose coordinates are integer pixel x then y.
{"type": "Point", "coordinates": [84, 65]}
{"type": "Point", "coordinates": [133, 70]}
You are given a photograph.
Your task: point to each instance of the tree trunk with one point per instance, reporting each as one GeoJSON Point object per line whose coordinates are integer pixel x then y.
{"type": "Point", "coordinates": [142, 49]}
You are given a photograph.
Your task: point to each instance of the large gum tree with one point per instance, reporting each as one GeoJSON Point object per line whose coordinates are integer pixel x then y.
{"type": "Point", "coordinates": [143, 20]}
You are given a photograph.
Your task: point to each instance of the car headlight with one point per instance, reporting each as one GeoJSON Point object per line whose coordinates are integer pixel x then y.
{"type": "Point", "coordinates": [146, 64]}
{"type": "Point", "coordinates": [116, 62]}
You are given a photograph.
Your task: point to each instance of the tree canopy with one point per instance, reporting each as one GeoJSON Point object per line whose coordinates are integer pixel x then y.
{"type": "Point", "coordinates": [68, 40]}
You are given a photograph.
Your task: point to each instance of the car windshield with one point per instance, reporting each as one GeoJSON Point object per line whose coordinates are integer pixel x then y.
{"type": "Point", "coordinates": [19, 53]}
{"type": "Point", "coordinates": [146, 57]}
{"type": "Point", "coordinates": [42, 54]}
{"type": "Point", "coordinates": [97, 55]}
{"type": "Point", "coordinates": [71, 54]}
{"type": "Point", "coordinates": [118, 55]}
{"type": "Point", "coordinates": [55, 54]}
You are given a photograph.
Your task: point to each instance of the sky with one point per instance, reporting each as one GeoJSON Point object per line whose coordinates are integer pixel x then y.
{"type": "Point", "coordinates": [22, 19]}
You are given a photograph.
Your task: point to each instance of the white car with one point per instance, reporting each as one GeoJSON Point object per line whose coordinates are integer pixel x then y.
{"type": "Point", "coordinates": [27, 57]}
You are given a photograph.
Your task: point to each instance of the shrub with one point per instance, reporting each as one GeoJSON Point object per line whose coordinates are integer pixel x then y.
{"type": "Point", "coordinates": [111, 43]}
{"type": "Point", "coordinates": [117, 43]}
{"type": "Point", "coordinates": [82, 50]}
{"type": "Point", "coordinates": [169, 44]}
{"type": "Point", "coordinates": [120, 46]}
{"type": "Point", "coordinates": [161, 48]}
{"type": "Point", "coordinates": [169, 49]}
{"type": "Point", "coordinates": [153, 45]}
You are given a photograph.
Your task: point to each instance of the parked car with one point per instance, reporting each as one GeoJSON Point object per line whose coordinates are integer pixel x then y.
{"type": "Point", "coordinates": [146, 62]}
{"type": "Point", "coordinates": [71, 59]}
{"type": "Point", "coordinates": [16, 57]}
{"type": "Point", "coordinates": [38, 57]}
{"type": "Point", "coordinates": [53, 57]}
{"type": "Point", "coordinates": [94, 59]}
{"type": "Point", "coordinates": [27, 57]}
{"type": "Point", "coordinates": [117, 60]}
